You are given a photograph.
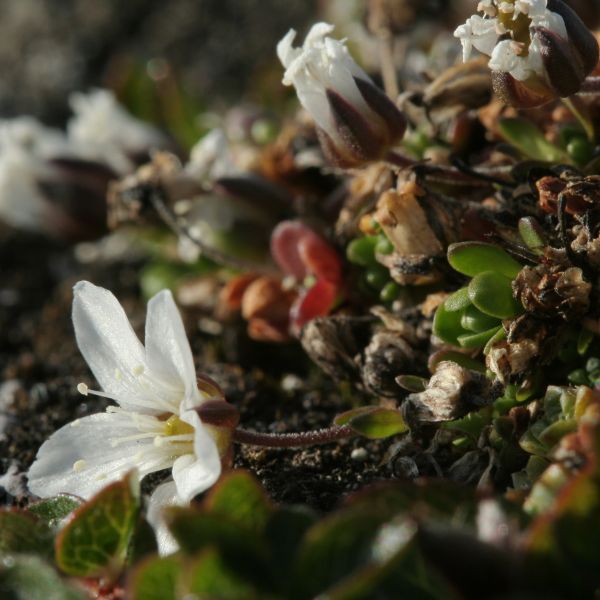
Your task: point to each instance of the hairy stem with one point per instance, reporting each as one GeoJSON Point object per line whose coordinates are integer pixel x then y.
{"type": "Point", "coordinates": [292, 440]}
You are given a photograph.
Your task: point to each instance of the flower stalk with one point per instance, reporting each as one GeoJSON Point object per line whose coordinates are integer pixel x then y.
{"type": "Point", "coordinates": [293, 440]}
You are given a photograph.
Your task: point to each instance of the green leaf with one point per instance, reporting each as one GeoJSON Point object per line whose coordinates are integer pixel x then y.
{"type": "Point", "coordinates": [459, 300]}
{"type": "Point", "coordinates": [498, 336]}
{"type": "Point", "coordinates": [477, 340]}
{"type": "Point", "coordinates": [378, 423]}
{"type": "Point", "coordinates": [476, 321]}
{"type": "Point", "coordinates": [96, 539]}
{"type": "Point", "coordinates": [585, 338]}
{"type": "Point", "coordinates": [23, 533]}
{"type": "Point", "coordinates": [203, 576]}
{"type": "Point", "coordinates": [530, 141]}
{"type": "Point", "coordinates": [446, 325]}
{"type": "Point", "coordinates": [412, 383]}
{"type": "Point", "coordinates": [472, 258]}
{"type": "Point", "coordinates": [29, 578]}
{"type": "Point", "coordinates": [155, 579]}
{"type": "Point", "coordinates": [347, 416]}
{"type": "Point", "coordinates": [56, 509]}
{"type": "Point", "coordinates": [239, 497]}
{"type": "Point", "coordinates": [464, 360]}
{"type": "Point", "coordinates": [530, 232]}
{"type": "Point", "coordinates": [492, 294]}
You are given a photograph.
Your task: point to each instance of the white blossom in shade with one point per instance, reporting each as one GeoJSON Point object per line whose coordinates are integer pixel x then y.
{"type": "Point", "coordinates": [152, 427]}
{"type": "Point", "coordinates": [340, 96]}
{"type": "Point", "coordinates": [101, 129]}
{"type": "Point", "coordinates": [25, 145]}
{"type": "Point", "coordinates": [211, 158]}
{"type": "Point", "coordinates": [321, 63]}
{"type": "Point", "coordinates": [508, 55]}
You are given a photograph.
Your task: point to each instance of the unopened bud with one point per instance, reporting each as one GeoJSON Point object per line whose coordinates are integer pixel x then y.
{"type": "Point", "coordinates": [356, 121]}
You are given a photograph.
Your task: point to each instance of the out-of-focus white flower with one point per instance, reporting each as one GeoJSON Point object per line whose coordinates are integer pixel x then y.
{"type": "Point", "coordinates": [357, 122]}
{"type": "Point", "coordinates": [101, 129]}
{"type": "Point", "coordinates": [538, 49]}
{"type": "Point", "coordinates": [211, 158]}
{"type": "Point", "coordinates": [154, 426]}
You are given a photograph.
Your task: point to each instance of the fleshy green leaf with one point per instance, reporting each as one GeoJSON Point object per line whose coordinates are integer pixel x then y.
{"type": "Point", "coordinates": [476, 340]}
{"type": "Point", "coordinates": [155, 579]}
{"type": "Point", "coordinates": [446, 325]}
{"type": "Point", "coordinates": [459, 300]}
{"type": "Point", "coordinates": [492, 294]}
{"type": "Point", "coordinates": [29, 578]}
{"type": "Point", "coordinates": [95, 541]}
{"type": "Point", "coordinates": [530, 141]}
{"type": "Point", "coordinates": [472, 258]}
{"type": "Point", "coordinates": [54, 510]}
{"type": "Point", "coordinates": [412, 383]}
{"type": "Point", "coordinates": [477, 322]}
{"type": "Point", "coordinates": [23, 533]}
{"type": "Point", "coordinates": [347, 416]}
{"type": "Point", "coordinates": [531, 233]}
{"type": "Point", "coordinates": [459, 358]}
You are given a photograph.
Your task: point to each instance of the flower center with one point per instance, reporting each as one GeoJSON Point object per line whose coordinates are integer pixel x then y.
{"type": "Point", "coordinates": [175, 426]}
{"type": "Point", "coordinates": [517, 26]}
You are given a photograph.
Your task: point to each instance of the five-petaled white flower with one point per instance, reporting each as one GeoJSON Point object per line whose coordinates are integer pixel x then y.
{"type": "Point", "coordinates": [154, 425]}
{"type": "Point", "coordinates": [357, 122]}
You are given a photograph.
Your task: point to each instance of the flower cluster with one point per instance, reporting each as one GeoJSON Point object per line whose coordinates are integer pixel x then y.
{"type": "Point", "coordinates": [538, 49]}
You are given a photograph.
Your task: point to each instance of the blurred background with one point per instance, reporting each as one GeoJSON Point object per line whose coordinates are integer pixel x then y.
{"type": "Point", "coordinates": [194, 54]}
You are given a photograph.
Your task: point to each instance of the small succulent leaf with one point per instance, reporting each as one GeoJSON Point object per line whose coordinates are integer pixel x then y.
{"type": "Point", "coordinates": [464, 360]}
{"type": "Point", "coordinates": [379, 423]}
{"type": "Point", "coordinates": [498, 336]}
{"type": "Point", "coordinates": [472, 258]}
{"type": "Point", "coordinates": [56, 509]}
{"type": "Point", "coordinates": [95, 540]}
{"type": "Point", "coordinates": [492, 294]}
{"type": "Point", "coordinates": [530, 141]}
{"type": "Point", "coordinates": [29, 578]}
{"type": "Point", "coordinates": [446, 325]}
{"type": "Point", "coordinates": [24, 533]}
{"type": "Point", "coordinates": [477, 322]}
{"type": "Point", "coordinates": [459, 300]}
{"type": "Point", "coordinates": [477, 340]}
{"type": "Point", "coordinates": [531, 234]}
{"type": "Point", "coordinates": [240, 498]}
{"type": "Point", "coordinates": [412, 383]}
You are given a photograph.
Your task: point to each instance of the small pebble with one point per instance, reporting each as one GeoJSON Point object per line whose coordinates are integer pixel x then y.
{"type": "Point", "coordinates": [359, 454]}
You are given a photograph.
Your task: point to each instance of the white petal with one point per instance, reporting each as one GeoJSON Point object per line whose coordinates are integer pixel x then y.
{"type": "Point", "coordinates": [164, 495]}
{"type": "Point", "coordinates": [195, 473]}
{"type": "Point", "coordinates": [168, 352]}
{"type": "Point", "coordinates": [285, 52]}
{"type": "Point", "coordinates": [110, 346]}
{"type": "Point", "coordinates": [80, 458]}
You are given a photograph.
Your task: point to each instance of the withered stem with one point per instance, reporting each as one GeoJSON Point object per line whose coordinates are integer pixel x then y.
{"type": "Point", "coordinates": [385, 44]}
{"type": "Point", "coordinates": [292, 440]}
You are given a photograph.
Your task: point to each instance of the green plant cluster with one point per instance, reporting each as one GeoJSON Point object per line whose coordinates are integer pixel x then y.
{"type": "Point", "coordinates": [472, 316]}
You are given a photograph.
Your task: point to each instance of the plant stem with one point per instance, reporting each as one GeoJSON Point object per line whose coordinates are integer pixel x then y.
{"type": "Point", "coordinates": [292, 440]}
{"type": "Point", "coordinates": [579, 111]}
{"type": "Point", "coordinates": [399, 160]}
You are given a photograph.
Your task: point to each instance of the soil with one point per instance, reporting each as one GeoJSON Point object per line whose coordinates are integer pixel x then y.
{"type": "Point", "coordinates": [275, 387]}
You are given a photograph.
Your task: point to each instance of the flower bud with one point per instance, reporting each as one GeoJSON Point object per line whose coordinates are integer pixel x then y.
{"type": "Point", "coordinates": [539, 49]}
{"type": "Point", "coordinates": [356, 121]}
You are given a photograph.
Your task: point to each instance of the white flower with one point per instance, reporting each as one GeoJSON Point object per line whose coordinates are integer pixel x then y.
{"type": "Point", "coordinates": [211, 158]}
{"type": "Point", "coordinates": [154, 425]}
{"type": "Point", "coordinates": [359, 120]}
{"type": "Point", "coordinates": [519, 59]}
{"type": "Point", "coordinates": [103, 130]}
